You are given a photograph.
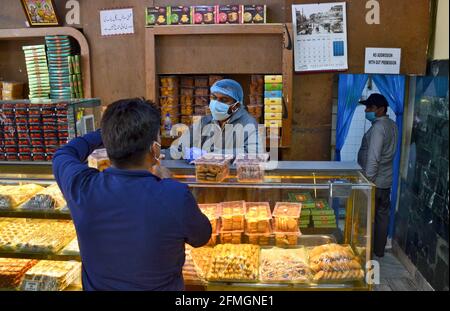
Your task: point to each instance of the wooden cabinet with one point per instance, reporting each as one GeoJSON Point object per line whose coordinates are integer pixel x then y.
{"type": "Point", "coordinates": [30, 33]}
{"type": "Point", "coordinates": [222, 49]}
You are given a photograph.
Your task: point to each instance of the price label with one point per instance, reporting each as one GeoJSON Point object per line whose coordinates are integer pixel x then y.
{"type": "Point", "coordinates": [31, 286]}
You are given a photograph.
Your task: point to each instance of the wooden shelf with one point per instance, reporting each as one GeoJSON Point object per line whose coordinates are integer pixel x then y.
{"type": "Point", "coordinates": [177, 30]}
{"type": "Point", "coordinates": [222, 49]}
{"type": "Point", "coordinates": [24, 33]}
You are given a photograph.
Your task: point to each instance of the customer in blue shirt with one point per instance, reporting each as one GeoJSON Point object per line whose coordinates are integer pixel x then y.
{"type": "Point", "coordinates": [131, 225]}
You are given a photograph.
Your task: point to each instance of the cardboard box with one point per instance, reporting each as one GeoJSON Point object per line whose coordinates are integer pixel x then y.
{"type": "Point", "coordinates": [254, 14]}
{"type": "Point", "coordinates": [179, 15]}
{"type": "Point", "coordinates": [203, 14]}
{"type": "Point", "coordinates": [228, 14]}
{"type": "Point", "coordinates": [156, 15]}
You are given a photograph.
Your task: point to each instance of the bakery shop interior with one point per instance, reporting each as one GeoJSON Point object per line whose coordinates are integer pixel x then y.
{"type": "Point", "coordinates": [223, 145]}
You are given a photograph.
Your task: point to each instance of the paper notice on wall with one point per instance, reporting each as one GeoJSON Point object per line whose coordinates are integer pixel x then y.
{"type": "Point", "coordinates": [383, 61]}
{"type": "Point", "coordinates": [116, 22]}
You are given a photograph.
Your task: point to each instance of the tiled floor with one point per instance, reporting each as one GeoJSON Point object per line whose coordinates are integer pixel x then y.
{"type": "Point", "coordinates": [394, 276]}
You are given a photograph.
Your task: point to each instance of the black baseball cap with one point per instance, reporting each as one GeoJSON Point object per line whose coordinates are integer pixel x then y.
{"type": "Point", "coordinates": [375, 99]}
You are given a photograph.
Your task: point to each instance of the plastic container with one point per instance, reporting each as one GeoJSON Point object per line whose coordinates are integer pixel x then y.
{"type": "Point", "coordinates": [256, 100]}
{"type": "Point", "coordinates": [212, 211]}
{"type": "Point", "coordinates": [231, 237]}
{"type": "Point", "coordinates": [169, 101]}
{"type": "Point", "coordinates": [187, 111]}
{"type": "Point", "coordinates": [201, 81]}
{"type": "Point", "coordinates": [99, 160]}
{"type": "Point", "coordinates": [12, 156]}
{"type": "Point", "coordinates": [255, 110]}
{"type": "Point", "coordinates": [284, 266]}
{"type": "Point", "coordinates": [234, 263]}
{"type": "Point", "coordinates": [170, 109]}
{"type": "Point", "coordinates": [187, 120]}
{"type": "Point", "coordinates": [257, 217]}
{"type": "Point", "coordinates": [167, 125]}
{"type": "Point", "coordinates": [169, 81]}
{"type": "Point", "coordinates": [168, 91]}
{"type": "Point", "coordinates": [201, 101]}
{"type": "Point", "coordinates": [232, 215]}
{"type": "Point", "coordinates": [39, 156]}
{"type": "Point", "coordinates": [21, 120]}
{"type": "Point", "coordinates": [25, 156]}
{"type": "Point", "coordinates": [287, 238]}
{"type": "Point", "coordinates": [201, 91]}
{"type": "Point", "coordinates": [212, 169]}
{"type": "Point", "coordinates": [187, 81]}
{"type": "Point", "coordinates": [262, 239]}
{"type": "Point", "coordinates": [250, 170]}
{"type": "Point", "coordinates": [285, 216]}
{"type": "Point", "coordinates": [187, 91]}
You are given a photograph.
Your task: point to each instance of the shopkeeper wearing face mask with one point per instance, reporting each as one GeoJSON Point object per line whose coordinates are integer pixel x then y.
{"type": "Point", "coordinates": [376, 157]}
{"type": "Point", "coordinates": [228, 114]}
{"type": "Point", "coordinates": [132, 226]}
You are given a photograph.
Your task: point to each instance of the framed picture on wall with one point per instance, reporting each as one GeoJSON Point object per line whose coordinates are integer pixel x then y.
{"type": "Point", "coordinates": [40, 12]}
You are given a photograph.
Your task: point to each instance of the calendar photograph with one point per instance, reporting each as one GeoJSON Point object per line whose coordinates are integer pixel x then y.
{"type": "Point", "coordinates": [320, 36]}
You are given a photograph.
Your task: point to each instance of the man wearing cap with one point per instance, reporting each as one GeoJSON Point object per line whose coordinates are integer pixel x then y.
{"type": "Point", "coordinates": [376, 157]}
{"type": "Point", "coordinates": [230, 129]}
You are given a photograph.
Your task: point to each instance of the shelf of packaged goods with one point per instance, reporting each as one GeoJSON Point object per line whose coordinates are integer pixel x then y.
{"type": "Point", "coordinates": [27, 33]}
{"type": "Point", "coordinates": [35, 214]}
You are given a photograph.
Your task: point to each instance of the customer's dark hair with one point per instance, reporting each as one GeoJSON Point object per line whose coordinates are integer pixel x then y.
{"type": "Point", "coordinates": [129, 127]}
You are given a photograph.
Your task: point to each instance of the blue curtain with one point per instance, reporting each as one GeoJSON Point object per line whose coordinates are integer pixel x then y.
{"type": "Point", "coordinates": [350, 91]}
{"type": "Point", "coordinates": [393, 88]}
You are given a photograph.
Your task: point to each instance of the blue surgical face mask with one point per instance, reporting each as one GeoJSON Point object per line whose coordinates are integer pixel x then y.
{"type": "Point", "coordinates": [219, 110]}
{"type": "Point", "coordinates": [371, 116]}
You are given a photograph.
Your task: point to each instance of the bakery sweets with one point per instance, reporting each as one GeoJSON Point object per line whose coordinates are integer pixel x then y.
{"type": "Point", "coordinates": [257, 217]}
{"type": "Point", "coordinates": [335, 262]}
{"type": "Point", "coordinates": [284, 265]}
{"type": "Point", "coordinates": [262, 239]}
{"type": "Point", "coordinates": [49, 275]}
{"type": "Point", "coordinates": [212, 168]}
{"type": "Point", "coordinates": [232, 215]}
{"type": "Point", "coordinates": [12, 271]}
{"type": "Point", "coordinates": [238, 263]}
{"type": "Point", "coordinates": [50, 198]}
{"type": "Point", "coordinates": [35, 235]}
{"type": "Point", "coordinates": [99, 160]}
{"type": "Point", "coordinates": [231, 237]}
{"type": "Point", "coordinates": [13, 196]}
{"type": "Point", "coordinates": [287, 238]}
{"type": "Point", "coordinates": [285, 216]}
{"type": "Point", "coordinates": [212, 212]}
{"type": "Point", "coordinates": [201, 258]}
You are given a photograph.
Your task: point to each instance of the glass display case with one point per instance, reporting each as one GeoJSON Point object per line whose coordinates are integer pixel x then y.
{"type": "Point", "coordinates": [303, 244]}
{"type": "Point", "coordinates": [32, 130]}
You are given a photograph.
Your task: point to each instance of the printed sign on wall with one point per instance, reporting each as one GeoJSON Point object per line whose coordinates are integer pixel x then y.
{"type": "Point", "coordinates": [383, 61]}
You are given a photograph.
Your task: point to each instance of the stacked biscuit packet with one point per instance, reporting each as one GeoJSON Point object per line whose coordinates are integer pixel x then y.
{"type": "Point", "coordinates": [37, 69]}
{"type": "Point", "coordinates": [59, 49]}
